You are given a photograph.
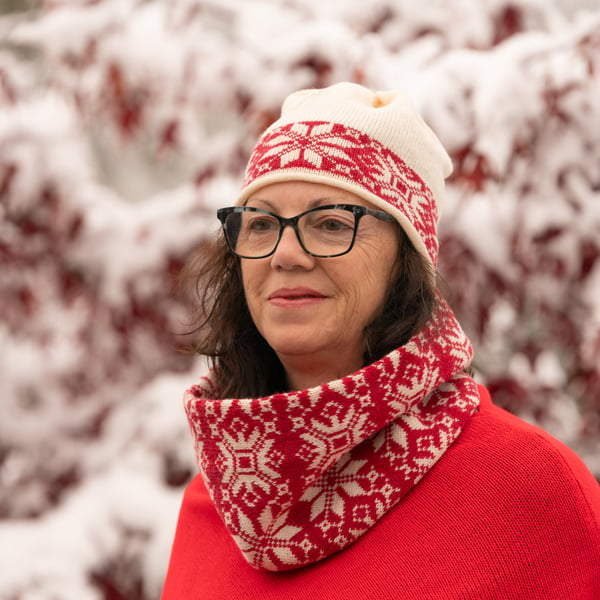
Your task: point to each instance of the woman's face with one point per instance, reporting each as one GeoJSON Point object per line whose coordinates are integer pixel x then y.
{"type": "Point", "coordinates": [313, 311]}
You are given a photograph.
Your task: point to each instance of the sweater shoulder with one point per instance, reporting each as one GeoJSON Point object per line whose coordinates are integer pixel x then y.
{"type": "Point", "coordinates": [526, 444]}
{"type": "Point", "coordinates": [525, 456]}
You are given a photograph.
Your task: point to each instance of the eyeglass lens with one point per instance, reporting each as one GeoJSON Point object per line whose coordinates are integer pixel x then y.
{"type": "Point", "coordinates": [322, 231]}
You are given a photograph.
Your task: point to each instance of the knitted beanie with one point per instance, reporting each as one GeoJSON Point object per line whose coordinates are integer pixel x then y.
{"type": "Point", "coordinates": [373, 144]}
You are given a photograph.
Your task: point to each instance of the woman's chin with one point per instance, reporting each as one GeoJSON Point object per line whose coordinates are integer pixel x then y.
{"type": "Point", "coordinates": [297, 347]}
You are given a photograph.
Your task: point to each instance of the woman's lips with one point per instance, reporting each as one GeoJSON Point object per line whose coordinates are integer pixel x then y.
{"type": "Point", "coordinates": [285, 297]}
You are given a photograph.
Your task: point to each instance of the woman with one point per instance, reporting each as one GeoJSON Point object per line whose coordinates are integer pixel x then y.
{"type": "Point", "coordinates": [344, 451]}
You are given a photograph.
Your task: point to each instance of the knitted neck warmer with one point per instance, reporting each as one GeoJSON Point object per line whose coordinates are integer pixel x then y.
{"type": "Point", "coordinates": [298, 476]}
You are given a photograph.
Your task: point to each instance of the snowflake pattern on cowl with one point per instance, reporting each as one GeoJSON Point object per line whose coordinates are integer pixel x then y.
{"type": "Point", "coordinates": [348, 156]}
{"type": "Point", "coordinates": [298, 476]}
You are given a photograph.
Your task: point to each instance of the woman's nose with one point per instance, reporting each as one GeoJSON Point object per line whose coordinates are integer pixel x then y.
{"type": "Point", "coordinates": [289, 254]}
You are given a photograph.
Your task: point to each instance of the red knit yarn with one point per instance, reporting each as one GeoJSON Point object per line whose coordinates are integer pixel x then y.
{"type": "Point", "coordinates": [507, 513]}
{"type": "Point", "coordinates": [346, 157]}
{"type": "Point", "coordinates": [299, 476]}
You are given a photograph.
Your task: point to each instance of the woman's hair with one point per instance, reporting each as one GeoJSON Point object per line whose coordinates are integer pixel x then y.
{"type": "Point", "coordinates": [244, 363]}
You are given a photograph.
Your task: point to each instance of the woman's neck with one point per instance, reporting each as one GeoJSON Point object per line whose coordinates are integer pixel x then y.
{"type": "Point", "coordinates": [307, 372]}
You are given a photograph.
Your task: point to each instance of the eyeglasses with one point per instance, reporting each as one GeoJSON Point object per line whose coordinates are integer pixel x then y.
{"type": "Point", "coordinates": [323, 232]}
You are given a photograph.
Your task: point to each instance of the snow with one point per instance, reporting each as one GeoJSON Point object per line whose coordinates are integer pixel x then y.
{"type": "Point", "coordinates": [125, 124]}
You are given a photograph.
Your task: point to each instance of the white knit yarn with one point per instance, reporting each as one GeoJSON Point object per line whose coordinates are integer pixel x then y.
{"type": "Point", "coordinates": [390, 118]}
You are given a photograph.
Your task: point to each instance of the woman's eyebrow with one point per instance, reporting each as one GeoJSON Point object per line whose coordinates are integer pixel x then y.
{"type": "Point", "coordinates": [312, 204]}
{"type": "Point", "coordinates": [253, 201]}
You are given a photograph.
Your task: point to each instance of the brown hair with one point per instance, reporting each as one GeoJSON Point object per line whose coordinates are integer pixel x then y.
{"type": "Point", "coordinates": [244, 363]}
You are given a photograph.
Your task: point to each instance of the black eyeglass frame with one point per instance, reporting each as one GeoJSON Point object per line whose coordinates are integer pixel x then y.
{"type": "Point", "coordinates": [358, 211]}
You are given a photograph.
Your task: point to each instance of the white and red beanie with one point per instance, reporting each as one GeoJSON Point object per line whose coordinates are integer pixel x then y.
{"type": "Point", "coordinates": [373, 144]}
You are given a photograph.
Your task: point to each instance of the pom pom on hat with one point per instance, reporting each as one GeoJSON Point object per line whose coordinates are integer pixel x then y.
{"type": "Point", "coordinates": [373, 144]}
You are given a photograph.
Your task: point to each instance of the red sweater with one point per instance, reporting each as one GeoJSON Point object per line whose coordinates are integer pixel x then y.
{"type": "Point", "coordinates": [507, 513]}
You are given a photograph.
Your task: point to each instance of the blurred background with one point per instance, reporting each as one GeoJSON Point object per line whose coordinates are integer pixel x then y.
{"type": "Point", "coordinates": [124, 124]}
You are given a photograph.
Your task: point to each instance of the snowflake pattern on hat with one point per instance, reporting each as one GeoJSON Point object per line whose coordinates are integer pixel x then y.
{"type": "Point", "coordinates": [343, 156]}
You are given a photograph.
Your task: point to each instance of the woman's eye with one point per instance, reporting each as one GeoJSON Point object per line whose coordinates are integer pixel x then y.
{"type": "Point", "coordinates": [261, 224]}
{"type": "Point", "coordinates": [334, 225]}
{"type": "Point", "coordinates": [333, 222]}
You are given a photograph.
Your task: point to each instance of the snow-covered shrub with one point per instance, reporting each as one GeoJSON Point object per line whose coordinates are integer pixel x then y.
{"type": "Point", "coordinates": [125, 123]}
